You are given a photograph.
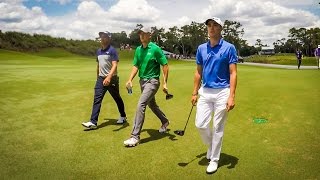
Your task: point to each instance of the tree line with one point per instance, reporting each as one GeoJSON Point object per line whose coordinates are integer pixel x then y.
{"type": "Point", "coordinates": [299, 38]}
{"type": "Point", "coordinates": [183, 40]}
{"type": "Point", "coordinates": [18, 41]}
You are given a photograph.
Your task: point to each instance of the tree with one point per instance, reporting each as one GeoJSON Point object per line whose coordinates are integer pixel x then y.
{"type": "Point", "coordinates": [186, 39]}
{"type": "Point", "coordinates": [157, 36]}
{"type": "Point", "coordinates": [120, 38]}
{"type": "Point", "coordinates": [232, 32]}
{"type": "Point", "coordinates": [134, 37]}
{"type": "Point", "coordinates": [171, 39]}
{"type": "Point", "coordinates": [305, 39]}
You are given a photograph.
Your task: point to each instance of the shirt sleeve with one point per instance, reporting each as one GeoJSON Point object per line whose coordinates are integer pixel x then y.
{"type": "Point", "coordinates": [135, 58]}
{"type": "Point", "coordinates": [97, 53]}
{"type": "Point", "coordinates": [161, 58]}
{"type": "Point", "coordinates": [114, 55]}
{"type": "Point", "coordinates": [233, 58]}
{"type": "Point", "coordinates": [199, 59]}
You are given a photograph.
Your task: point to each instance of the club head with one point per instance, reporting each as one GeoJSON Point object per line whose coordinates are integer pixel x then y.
{"type": "Point", "coordinates": [169, 96]}
{"type": "Point", "coordinates": [183, 164]}
{"type": "Point", "coordinates": [179, 132]}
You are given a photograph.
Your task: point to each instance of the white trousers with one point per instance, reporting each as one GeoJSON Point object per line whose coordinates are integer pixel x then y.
{"type": "Point", "coordinates": [212, 101]}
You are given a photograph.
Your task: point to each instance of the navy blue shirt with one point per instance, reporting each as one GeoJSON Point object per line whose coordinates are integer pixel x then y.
{"type": "Point", "coordinates": [215, 63]}
{"type": "Point", "coordinates": [105, 58]}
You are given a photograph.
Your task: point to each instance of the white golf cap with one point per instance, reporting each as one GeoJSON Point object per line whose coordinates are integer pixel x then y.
{"type": "Point", "coordinates": [145, 29]}
{"type": "Point", "coordinates": [217, 20]}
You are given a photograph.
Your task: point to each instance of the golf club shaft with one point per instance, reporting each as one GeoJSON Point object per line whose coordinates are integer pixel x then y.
{"type": "Point", "coordinates": [188, 118]}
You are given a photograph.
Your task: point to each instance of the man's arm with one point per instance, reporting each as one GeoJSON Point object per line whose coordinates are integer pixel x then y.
{"type": "Point", "coordinates": [97, 70]}
{"type": "Point", "coordinates": [233, 86]}
{"type": "Point", "coordinates": [107, 80]}
{"type": "Point", "coordinates": [196, 84]}
{"type": "Point", "coordinates": [134, 72]}
{"type": "Point", "coordinates": [165, 70]}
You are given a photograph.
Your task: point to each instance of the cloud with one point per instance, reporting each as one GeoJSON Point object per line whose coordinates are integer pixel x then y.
{"type": "Point", "coordinates": [9, 13]}
{"type": "Point", "coordinates": [266, 20]}
{"type": "Point", "coordinates": [17, 17]}
{"type": "Point", "coordinates": [134, 11]}
{"type": "Point", "coordinates": [63, 2]}
{"type": "Point", "coordinates": [90, 10]}
{"type": "Point", "coordinates": [84, 23]}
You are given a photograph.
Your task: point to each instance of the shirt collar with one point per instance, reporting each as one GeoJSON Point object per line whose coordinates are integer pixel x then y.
{"type": "Point", "coordinates": [219, 44]}
{"type": "Point", "coordinates": [148, 46]}
{"type": "Point", "coordinates": [106, 49]}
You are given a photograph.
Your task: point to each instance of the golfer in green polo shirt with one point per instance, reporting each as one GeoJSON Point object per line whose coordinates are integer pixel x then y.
{"type": "Point", "coordinates": [147, 60]}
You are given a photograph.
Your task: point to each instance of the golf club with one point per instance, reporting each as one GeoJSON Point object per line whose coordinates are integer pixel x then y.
{"type": "Point", "coordinates": [181, 132]}
{"type": "Point", "coordinates": [168, 96]}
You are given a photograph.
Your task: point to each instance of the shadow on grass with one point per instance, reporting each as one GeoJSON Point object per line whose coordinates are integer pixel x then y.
{"type": "Point", "coordinates": [225, 159]}
{"type": "Point", "coordinates": [109, 122]}
{"type": "Point", "coordinates": [197, 157]}
{"type": "Point", "coordinates": [155, 135]}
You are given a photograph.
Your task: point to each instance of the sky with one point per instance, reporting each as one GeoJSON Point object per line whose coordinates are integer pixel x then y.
{"type": "Point", "coordinates": [268, 20]}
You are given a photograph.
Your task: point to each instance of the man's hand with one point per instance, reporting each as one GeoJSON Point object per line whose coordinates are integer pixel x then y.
{"type": "Point", "coordinates": [106, 81]}
{"type": "Point", "coordinates": [230, 104]}
{"type": "Point", "coordinates": [129, 84]}
{"type": "Point", "coordinates": [194, 99]}
{"type": "Point", "coordinates": [165, 88]}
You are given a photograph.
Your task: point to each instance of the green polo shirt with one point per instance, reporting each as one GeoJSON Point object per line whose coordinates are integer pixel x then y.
{"type": "Point", "coordinates": [148, 61]}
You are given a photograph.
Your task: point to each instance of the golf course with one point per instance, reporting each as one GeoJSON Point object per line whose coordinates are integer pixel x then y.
{"type": "Point", "coordinates": [272, 133]}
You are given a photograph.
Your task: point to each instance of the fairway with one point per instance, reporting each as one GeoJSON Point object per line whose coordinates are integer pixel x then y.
{"type": "Point", "coordinates": [45, 98]}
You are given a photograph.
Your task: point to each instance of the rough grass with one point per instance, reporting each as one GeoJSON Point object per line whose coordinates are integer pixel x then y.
{"type": "Point", "coordinates": [43, 101]}
{"type": "Point", "coordinates": [285, 59]}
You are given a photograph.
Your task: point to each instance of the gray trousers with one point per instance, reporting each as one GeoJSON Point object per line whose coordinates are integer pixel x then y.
{"type": "Point", "coordinates": [149, 89]}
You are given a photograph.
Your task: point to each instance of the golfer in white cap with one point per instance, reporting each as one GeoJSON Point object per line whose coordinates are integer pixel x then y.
{"type": "Point", "coordinates": [216, 67]}
{"type": "Point", "coordinates": [148, 59]}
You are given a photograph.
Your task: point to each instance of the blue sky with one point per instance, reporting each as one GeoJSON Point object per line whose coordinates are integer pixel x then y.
{"type": "Point", "coordinates": [56, 8]}
{"type": "Point", "coordinates": [52, 8]}
{"type": "Point", "coordinates": [268, 20]}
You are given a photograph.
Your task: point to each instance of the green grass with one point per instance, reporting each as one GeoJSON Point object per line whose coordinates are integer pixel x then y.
{"type": "Point", "coordinates": [43, 101]}
{"type": "Point", "coordinates": [54, 53]}
{"type": "Point", "coordinates": [285, 59]}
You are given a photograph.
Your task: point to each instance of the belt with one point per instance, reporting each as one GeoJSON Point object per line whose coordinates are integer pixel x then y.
{"type": "Point", "coordinates": [149, 79]}
{"type": "Point", "coordinates": [115, 75]}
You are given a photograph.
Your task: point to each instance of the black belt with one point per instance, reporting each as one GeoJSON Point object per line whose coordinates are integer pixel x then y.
{"type": "Point", "coordinates": [111, 77]}
{"type": "Point", "coordinates": [149, 79]}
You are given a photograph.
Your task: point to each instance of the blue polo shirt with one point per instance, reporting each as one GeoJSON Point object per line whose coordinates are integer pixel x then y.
{"type": "Point", "coordinates": [215, 63]}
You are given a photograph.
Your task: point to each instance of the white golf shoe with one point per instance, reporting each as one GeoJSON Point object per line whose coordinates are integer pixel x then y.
{"type": "Point", "coordinates": [122, 120]}
{"type": "Point", "coordinates": [131, 142]}
{"type": "Point", "coordinates": [89, 125]}
{"type": "Point", "coordinates": [163, 128]}
{"type": "Point", "coordinates": [212, 168]}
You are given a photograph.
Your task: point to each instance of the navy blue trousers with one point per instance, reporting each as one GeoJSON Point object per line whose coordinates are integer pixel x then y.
{"type": "Point", "coordinates": [100, 91]}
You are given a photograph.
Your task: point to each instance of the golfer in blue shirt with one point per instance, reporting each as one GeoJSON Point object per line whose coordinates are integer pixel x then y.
{"type": "Point", "coordinates": [217, 68]}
